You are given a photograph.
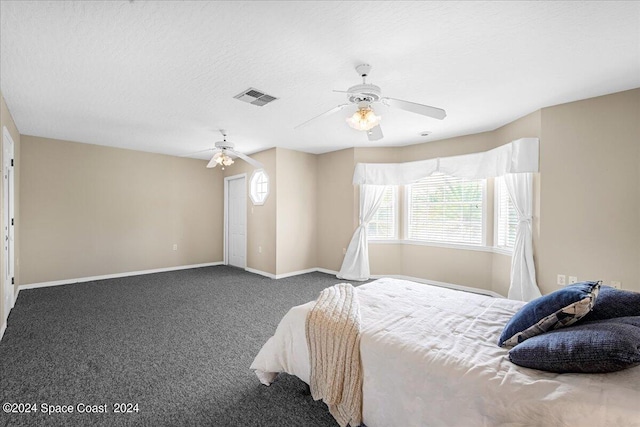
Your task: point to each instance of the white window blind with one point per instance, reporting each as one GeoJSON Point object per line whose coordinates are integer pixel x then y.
{"type": "Point", "coordinates": [446, 209]}
{"type": "Point", "coordinates": [383, 225]}
{"type": "Point", "coordinates": [506, 216]}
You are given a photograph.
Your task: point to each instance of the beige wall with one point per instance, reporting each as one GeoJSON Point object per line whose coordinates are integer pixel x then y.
{"type": "Point", "coordinates": [450, 147]}
{"type": "Point", "coordinates": [461, 267]}
{"type": "Point", "coordinates": [261, 219]}
{"type": "Point", "coordinates": [90, 210]}
{"type": "Point", "coordinates": [7, 120]}
{"type": "Point", "coordinates": [335, 201]}
{"type": "Point", "coordinates": [296, 211]}
{"type": "Point", "coordinates": [500, 273]}
{"type": "Point", "coordinates": [589, 192]}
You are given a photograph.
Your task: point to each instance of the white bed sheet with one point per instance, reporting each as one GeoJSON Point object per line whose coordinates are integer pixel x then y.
{"type": "Point", "coordinates": [430, 358]}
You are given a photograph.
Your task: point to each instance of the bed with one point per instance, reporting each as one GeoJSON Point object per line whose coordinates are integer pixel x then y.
{"type": "Point", "coordinates": [429, 358]}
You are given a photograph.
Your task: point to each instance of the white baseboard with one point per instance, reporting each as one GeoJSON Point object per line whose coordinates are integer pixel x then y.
{"type": "Point", "coordinates": [291, 274]}
{"type": "Point", "coordinates": [379, 276]}
{"type": "Point", "coordinates": [255, 271]}
{"type": "Point", "coordinates": [260, 272]}
{"type": "Point", "coordinates": [326, 271]}
{"type": "Point", "coordinates": [441, 284]}
{"type": "Point", "coordinates": [113, 276]}
{"type": "Point", "coordinates": [2, 329]}
{"type": "Point", "coordinates": [296, 273]}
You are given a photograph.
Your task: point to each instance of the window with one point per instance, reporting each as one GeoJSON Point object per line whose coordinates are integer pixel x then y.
{"type": "Point", "coordinates": [446, 209]}
{"type": "Point", "coordinates": [506, 217]}
{"type": "Point", "coordinates": [383, 224]}
{"type": "Point", "coordinates": [259, 187]}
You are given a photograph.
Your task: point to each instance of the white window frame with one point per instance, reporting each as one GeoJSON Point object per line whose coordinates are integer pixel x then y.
{"type": "Point", "coordinates": [253, 192]}
{"type": "Point", "coordinates": [482, 246]}
{"type": "Point", "coordinates": [502, 249]}
{"type": "Point", "coordinates": [396, 203]}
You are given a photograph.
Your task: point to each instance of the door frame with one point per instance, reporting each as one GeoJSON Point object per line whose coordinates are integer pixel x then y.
{"type": "Point", "coordinates": [225, 233]}
{"type": "Point", "coordinates": [8, 208]}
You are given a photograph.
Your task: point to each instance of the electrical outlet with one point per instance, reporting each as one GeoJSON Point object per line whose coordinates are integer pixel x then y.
{"type": "Point", "coordinates": [259, 249]}
{"type": "Point", "coordinates": [616, 284]}
{"type": "Point", "coordinates": [572, 280]}
{"type": "Point", "coordinates": [562, 280]}
{"type": "Point", "coordinates": [175, 246]}
{"type": "Point", "coordinates": [344, 251]}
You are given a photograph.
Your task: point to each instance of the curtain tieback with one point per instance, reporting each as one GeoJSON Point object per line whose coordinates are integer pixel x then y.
{"type": "Point", "coordinates": [526, 219]}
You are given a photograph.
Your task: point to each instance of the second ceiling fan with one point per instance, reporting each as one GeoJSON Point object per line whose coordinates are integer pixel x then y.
{"type": "Point", "coordinates": [225, 152]}
{"type": "Point", "coordinates": [364, 95]}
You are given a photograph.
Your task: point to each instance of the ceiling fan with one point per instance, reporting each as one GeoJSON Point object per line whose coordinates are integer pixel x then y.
{"type": "Point", "coordinates": [364, 95]}
{"type": "Point", "coordinates": [226, 152]}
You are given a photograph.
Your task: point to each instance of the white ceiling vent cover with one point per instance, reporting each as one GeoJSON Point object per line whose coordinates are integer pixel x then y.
{"type": "Point", "coordinates": [255, 97]}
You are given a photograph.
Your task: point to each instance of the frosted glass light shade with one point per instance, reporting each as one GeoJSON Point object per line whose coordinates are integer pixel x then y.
{"type": "Point", "coordinates": [220, 159]}
{"type": "Point", "coordinates": [364, 119]}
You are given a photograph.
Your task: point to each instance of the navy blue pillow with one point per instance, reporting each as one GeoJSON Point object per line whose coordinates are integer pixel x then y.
{"type": "Point", "coordinates": [590, 347]}
{"type": "Point", "coordinates": [560, 308]}
{"type": "Point", "coordinates": [614, 302]}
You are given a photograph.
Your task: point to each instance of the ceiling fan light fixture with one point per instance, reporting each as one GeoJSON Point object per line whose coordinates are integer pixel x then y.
{"type": "Point", "coordinates": [221, 159]}
{"type": "Point", "coordinates": [364, 119]}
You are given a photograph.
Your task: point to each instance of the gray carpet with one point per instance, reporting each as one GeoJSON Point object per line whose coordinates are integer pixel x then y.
{"type": "Point", "coordinates": [179, 344]}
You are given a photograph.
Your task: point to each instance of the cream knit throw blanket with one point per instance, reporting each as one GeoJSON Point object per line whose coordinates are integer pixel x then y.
{"type": "Point", "coordinates": [333, 338]}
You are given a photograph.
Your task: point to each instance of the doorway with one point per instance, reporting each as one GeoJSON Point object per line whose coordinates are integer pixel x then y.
{"type": "Point", "coordinates": [235, 220]}
{"type": "Point", "coordinates": [8, 206]}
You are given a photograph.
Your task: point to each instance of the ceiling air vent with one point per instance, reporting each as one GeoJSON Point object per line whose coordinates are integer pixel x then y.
{"type": "Point", "coordinates": [255, 97]}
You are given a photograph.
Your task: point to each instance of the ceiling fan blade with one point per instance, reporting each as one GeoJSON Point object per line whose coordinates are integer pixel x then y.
{"type": "Point", "coordinates": [196, 152]}
{"type": "Point", "coordinates": [425, 110]}
{"type": "Point", "coordinates": [256, 164]}
{"type": "Point", "coordinates": [375, 133]}
{"type": "Point", "coordinates": [341, 91]}
{"type": "Point", "coordinates": [212, 163]}
{"type": "Point", "coordinates": [326, 113]}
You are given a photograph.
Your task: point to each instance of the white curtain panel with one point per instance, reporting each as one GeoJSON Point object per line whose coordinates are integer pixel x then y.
{"type": "Point", "coordinates": [523, 272]}
{"type": "Point", "coordinates": [356, 261]}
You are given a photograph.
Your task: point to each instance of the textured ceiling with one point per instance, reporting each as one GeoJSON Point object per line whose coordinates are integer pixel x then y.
{"type": "Point", "coordinates": [161, 76]}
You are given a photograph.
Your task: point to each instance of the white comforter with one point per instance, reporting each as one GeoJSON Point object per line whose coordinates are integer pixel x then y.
{"type": "Point", "coordinates": [430, 358]}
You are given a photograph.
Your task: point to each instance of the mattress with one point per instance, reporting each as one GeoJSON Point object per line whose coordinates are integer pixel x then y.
{"type": "Point", "coordinates": [430, 358]}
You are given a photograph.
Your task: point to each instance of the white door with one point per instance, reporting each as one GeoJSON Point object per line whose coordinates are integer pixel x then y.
{"type": "Point", "coordinates": [8, 177]}
{"type": "Point", "coordinates": [237, 221]}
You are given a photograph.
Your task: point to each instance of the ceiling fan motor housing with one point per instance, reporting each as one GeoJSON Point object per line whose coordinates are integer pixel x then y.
{"type": "Point", "coordinates": [222, 145]}
{"type": "Point", "coordinates": [364, 92]}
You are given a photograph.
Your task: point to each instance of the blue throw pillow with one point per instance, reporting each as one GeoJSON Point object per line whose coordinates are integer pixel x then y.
{"type": "Point", "coordinates": [590, 347]}
{"type": "Point", "coordinates": [560, 308]}
{"type": "Point", "coordinates": [614, 302]}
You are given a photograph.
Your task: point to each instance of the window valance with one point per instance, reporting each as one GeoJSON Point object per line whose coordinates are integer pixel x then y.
{"type": "Point", "coordinates": [520, 156]}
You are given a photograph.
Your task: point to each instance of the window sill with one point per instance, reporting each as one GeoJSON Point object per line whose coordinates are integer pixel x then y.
{"type": "Point", "coordinates": [502, 251]}
{"type": "Point", "coordinates": [434, 244]}
{"type": "Point", "coordinates": [478, 248]}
